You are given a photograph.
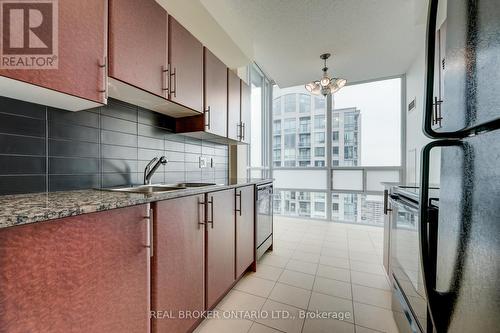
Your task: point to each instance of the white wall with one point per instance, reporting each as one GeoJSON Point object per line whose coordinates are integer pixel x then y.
{"type": "Point", "coordinates": [415, 138]}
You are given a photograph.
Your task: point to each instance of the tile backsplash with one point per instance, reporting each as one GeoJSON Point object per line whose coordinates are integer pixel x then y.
{"type": "Point", "coordinates": [45, 149]}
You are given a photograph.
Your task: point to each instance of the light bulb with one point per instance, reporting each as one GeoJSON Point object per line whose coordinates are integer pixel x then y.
{"type": "Point", "coordinates": [325, 80]}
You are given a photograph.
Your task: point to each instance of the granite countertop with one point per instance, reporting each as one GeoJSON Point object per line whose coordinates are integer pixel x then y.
{"type": "Point", "coordinates": [37, 207]}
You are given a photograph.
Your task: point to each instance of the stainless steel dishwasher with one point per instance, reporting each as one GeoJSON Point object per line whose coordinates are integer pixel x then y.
{"type": "Point", "coordinates": [264, 218]}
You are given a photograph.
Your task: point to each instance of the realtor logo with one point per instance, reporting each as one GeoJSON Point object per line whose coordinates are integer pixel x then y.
{"type": "Point", "coordinates": [29, 34]}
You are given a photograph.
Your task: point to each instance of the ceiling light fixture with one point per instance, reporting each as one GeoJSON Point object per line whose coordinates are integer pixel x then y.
{"type": "Point", "coordinates": [326, 85]}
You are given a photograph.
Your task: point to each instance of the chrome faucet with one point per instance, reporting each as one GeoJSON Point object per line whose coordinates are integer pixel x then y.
{"type": "Point", "coordinates": [150, 169]}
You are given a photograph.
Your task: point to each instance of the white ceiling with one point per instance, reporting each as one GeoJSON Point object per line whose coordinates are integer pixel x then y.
{"type": "Point", "coordinates": [368, 38]}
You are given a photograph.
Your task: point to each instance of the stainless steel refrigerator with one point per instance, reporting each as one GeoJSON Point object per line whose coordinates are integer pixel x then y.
{"type": "Point", "coordinates": [462, 112]}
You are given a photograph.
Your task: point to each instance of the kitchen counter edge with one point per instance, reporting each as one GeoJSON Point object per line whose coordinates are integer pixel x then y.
{"type": "Point", "coordinates": [21, 209]}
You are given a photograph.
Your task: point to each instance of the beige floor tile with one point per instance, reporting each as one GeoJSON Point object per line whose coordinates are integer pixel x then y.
{"type": "Point", "coordinates": [372, 296]}
{"type": "Point", "coordinates": [259, 328]}
{"type": "Point", "coordinates": [374, 317]}
{"type": "Point", "coordinates": [286, 318]}
{"type": "Point", "coordinates": [332, 287]}
{"type": "Point", "coordinates": [334, 252]}
{"type": "Point", "coordinates": [267, 272]}
{"type": "Point", "coordinates": [370, 280]}
{"type": "Point", "coordinates": [290, 295]}
{"type": "Point", "coordinates": [304, 248]}
{"type": "Point", "coordinates": [241, 301]}
{"type": "Point", "coordinates": [282, 251]}
{"type": "Point", "coordinates": [365, 257]}
{"type": "Point", "coordinates": [297, 279]}
{"type": "Point", "coordinates": [302, 266]}
{"type": "Point", "coordinates": [255, 286]}
{"type": "Point", "coordinates": [361, 329]}
{"type": "Point", "coordinates": [224, 326]}
{"type": "Point", "coordinates": [327, 303]}
{"type": "Point", "coordinates": [334, 261]}
{"type": "Point", "coordinates": [327, 326]}
{"type": "Point", "coordinates": [307, 257]}
{"type": "Point", "coordinates": [365, 267]}
{"type": "Point", "coordinates": [274, 260]}
{"type": "Point", "coordinates": [335, 273]}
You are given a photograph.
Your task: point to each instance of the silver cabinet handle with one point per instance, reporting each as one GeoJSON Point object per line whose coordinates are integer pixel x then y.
{"type": "Point", "coordinates": [208, 116]}
{"type": "Point", "coordinates": [149, 218]}
{"type": "Point", "coordinates": [173, 75]}
{"type": "Point", "coordinates": [437, 111]}
{"type": "Point", "coordinates": [238, 195]}
{"type": "Point", "coordinates": [238, 131]}
{"type": "Point", "coordinates": [164, 78]}
{"type": "Point", "coordinates": [211, 221]}
{"type": "Point", "coordinates": [104, 67]}
{"type": "Point", "coordinates": [244, 131]}
{"type": "Point", "coordinates": [201, 217]}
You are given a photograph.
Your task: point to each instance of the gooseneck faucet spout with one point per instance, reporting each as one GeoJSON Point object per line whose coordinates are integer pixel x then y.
{"type": "Point", "coordinates": [150, 169]}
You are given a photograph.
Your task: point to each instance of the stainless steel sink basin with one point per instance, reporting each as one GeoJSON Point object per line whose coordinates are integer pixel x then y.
{"type": "Point", "coordinates": [194, 184]}
{"type": "Point", "coordinates": [147, 189]}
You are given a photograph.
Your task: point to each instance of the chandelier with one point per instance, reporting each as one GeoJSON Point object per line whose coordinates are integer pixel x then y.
{"type": "Point", "coordinates": [326, 85]}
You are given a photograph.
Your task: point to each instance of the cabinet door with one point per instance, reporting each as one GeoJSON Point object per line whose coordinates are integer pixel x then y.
{"type": "Point", "coordinates": [245, 112]}
{"type": "Point", "coordinates": [82, 49]}
{"type": "Point", "coordinates": [215, 94]}
{"type": "Point", "coordinates": [138, 44]}
{"type": "Point", "coordinates": [245, 228]}
{"type": "Point", "coordinates": [220, 245]}
{"type": "Point", "coordinates": [88, 273]}
{"type": "Point", "coordinates": [233, 105]}
{"type": "Point", "coordinates": [186, 67]}
{"type": "Point", "coordinates": [178, 261]}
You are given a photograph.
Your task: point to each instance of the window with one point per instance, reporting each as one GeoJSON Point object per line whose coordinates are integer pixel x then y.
{"type": "Point", "coordinates": [290, 141]}
{"type": "Point", "coordinates": [335, 120]}
{"type": "Point", "coordinates": [319, 122]}
{"type": "Point", "coordinates": [290, 125]}
{"type": "Point", "coordinates": [319, 104]}
{"type": "Point", "coordinates": [304, 103]}
{"type": "Point", "coordinates": [305, 124]}
{"type": "Point", "coordinates": [365, 134]}
{"type": "Point", "coordinates": [277, 106]}
{"type": "Point", "coordinates": [259, 129]}
{"type": "Point", "coordinates": [335, 151]}
{"type": "Point", "coordinates": [319, 151]}
{"type": "Point", "coordinates": [276, 127]}
{"type": "Point", "coordinates": [319, 138]}
{"type": "Point", "coordinates": [277, 141]}
{"type": "Point", "coordinates": [290, 104]}
{"type": "Point", "coordinates": [304, 140]}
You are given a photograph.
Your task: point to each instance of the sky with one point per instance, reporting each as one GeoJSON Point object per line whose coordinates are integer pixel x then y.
{"type": "Point", "coordinates": [380, 106]}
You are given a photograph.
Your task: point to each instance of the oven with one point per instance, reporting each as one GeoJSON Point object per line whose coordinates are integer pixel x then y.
{"type": "Point", "coordinates": [264, 218]}
{"type": "Point", "coordinates": [409, 302]}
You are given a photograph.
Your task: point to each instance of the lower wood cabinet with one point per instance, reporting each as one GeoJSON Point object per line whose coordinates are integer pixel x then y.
{"type": "Point", "coordinates": [245, 228]}
{"type": "Point", "coordinates": [87, 273]}
{"type": "Point", "coordinates": [178, 267]}
{"type": "Point", "coordinates": [220, 244]}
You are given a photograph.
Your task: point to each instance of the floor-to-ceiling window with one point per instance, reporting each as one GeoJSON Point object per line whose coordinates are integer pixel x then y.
{"type": "Point", "coordinates": [329, 155]}
{"type": "Point", "coordinates": [259, 157]}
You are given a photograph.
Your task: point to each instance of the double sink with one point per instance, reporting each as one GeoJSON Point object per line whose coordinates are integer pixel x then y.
{"type": "Point", "coordinates": [158, 188]}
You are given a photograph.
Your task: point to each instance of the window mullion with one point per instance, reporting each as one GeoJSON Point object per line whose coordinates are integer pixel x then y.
{"type": "Point", "coordinates": [328, 155]}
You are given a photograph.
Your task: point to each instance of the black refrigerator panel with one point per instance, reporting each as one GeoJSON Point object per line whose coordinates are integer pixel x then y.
{"type": "Point", "coordinates": [471, 67]}
{"type": "Point", "coordinates": [468, 266]}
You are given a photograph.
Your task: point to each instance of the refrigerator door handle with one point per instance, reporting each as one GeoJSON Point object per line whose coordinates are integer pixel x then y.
{"type": "Point", "coordinates": [440, 304]}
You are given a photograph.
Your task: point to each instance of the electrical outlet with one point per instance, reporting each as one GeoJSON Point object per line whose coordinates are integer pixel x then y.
{"type": "Point", "coordinates": [203, 162]}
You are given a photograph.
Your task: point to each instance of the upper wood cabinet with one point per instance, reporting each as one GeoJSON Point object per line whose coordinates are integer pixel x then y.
{"type": "Point", "coordinates": [245, 228]}
{"type": "Point", "coordinates": [138, 42]}
{"type": "Point", "coordinates": [186, 67]}
{"type": "Point", "coordinates": [178, 268]}
{"type": "Point", "coordinates": [233, 105]}
{"type": "Point", "coordinates": [220, 245]}
{"type": "Point", "coordinates": [87, 273]}
{"type": "Point", "coordinates": [245, 112]}
{"type": "Point", "coordinates": [215, 94]}
{"type": "Point", "coordinates": [81, 39]}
